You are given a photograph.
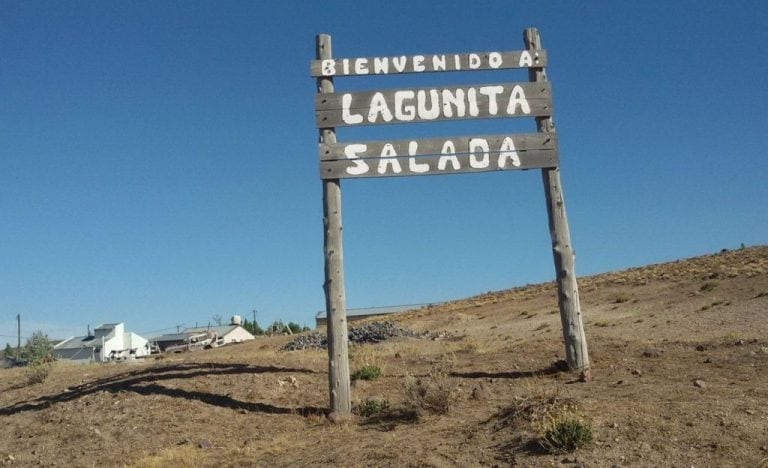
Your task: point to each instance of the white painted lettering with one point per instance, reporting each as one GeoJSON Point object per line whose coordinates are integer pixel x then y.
{"type": "Point", "coordinates": [438, 62]}
{"type": "Point", "coordinates": [472, 101]}
{"type": "Point", "coordinates": [456, 99]}
{"type": "Point", "coordinates": [361, 66]}
{"type": "Point", "coordinates": [492, 92]}
{"type": "Point", "coordinates": [508, 152]}
{"type": "Point", "coordinates": [345, 66]}
{"type": "Point", "coordinates": [434, 111]}
{"type": "Point", "coordinates": [481, 144]}
{"type": "Point", "coordinates": [517, 96]}
{"type": "Point", "coordinates": [352, 152]}
{"type": "Point", "coordinates": [346, 103]}
{"type": "Point", "coordinates": [381, 65]}
{"type": "Point", "coordinates": [457, 61]}
{"type": "Point", "coordinates": [328, 67]}
{"type": "Point", "coordinates": [494, 60]}
{"type": "Point", "coordinates": [389, 156]}
{"type": "Point", "coordinates": [525, 59]}
{"type": "Point", "coordinates": [448, 153]}
{"type": "Point", "coordinates": [379, 106]}
{"type": "Point", "coordinates": [413, 166]}
{"type": "Point", "coordinates": [399, 63]}
{"type": "Point", "coordinates": [403, 112]}
{"type": "Point", "coordinates": [474, 61]}
{"type": "Point", "coordinates": [418, 63]}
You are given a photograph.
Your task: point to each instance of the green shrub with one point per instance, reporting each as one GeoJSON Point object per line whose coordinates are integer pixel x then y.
{"type": "Point", "coordinates": [566, 433]}
{"type": "Point", "coordinates": [371, 407]}
{"type": "Point", "coordinates": [38, 348]}
{"type": "Point", "coordinates": [367, 373]}
{"type": "Point", "coordinates": [38, 353]}
{"type": "Point", "coordinates": [296, 328]}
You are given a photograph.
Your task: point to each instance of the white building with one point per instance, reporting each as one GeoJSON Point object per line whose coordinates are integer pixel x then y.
{"type": "Point", "coordinates": [225, 334]}
{"type": "Point", "coordinates": [108, 342]}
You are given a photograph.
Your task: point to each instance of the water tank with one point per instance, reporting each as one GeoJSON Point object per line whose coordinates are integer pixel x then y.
{"type": "Point", "coordinates": [236, 320]}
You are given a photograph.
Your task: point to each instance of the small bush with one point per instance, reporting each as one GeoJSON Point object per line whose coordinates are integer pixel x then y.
{"type": "Point", "coordinates": [620, 299]}
{"type": "Point", "coordinates": [434, 393]}
{"type": "Point", "coordinates": [37, 371]}
{"type": "Point", "coordinates": [566, 433]}
{"type": "Point", "coordinates": [367, 373]}
{"type": "Point", "coordinates": [38, 348]}
{"type": "Point", "coordinates": [371, 407]}
{"type": "Point", "coordinates": [471, 345]}
{"type": "Point", "coordinates": [38, 353]}
{"type": "Point", "coordinates": [708, 286]}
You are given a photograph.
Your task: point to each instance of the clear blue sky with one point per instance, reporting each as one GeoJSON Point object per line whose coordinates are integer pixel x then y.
{"type": "Point", "coordinates": [158, 160]}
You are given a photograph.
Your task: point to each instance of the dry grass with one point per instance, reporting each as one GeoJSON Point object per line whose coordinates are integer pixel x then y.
{"type": "Point", "coordinates": [184, 455]}
{"type": "Point", "coordinates": [434, 393]}
{"type": "Point", "coordinates": [494, 374]}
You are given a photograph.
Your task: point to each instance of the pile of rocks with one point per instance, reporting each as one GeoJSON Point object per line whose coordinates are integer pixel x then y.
{"type": "Point", "coordinates": [374, 332]}
{"type": "Point", "coordinates": [309, 341]}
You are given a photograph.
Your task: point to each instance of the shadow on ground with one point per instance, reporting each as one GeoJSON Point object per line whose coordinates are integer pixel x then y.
{"type": "Point", "coordinates": [145, 382]}
{"type": "Point", "coordinates": [554, 368]}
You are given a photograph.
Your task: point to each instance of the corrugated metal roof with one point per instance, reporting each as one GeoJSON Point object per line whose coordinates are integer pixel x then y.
{"type": "Point", "coordinates": [220, 330]}
{"type": "Point", "coordinates": [172, 337]}
{"type": "Point", "coordinates": [77, 342]}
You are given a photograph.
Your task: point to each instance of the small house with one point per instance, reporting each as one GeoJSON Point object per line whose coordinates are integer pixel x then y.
{"type": "Point", "coordinates": [211, 336]}
{"type": "Point", "coordinates": [108, 342]}
{"type": "Point", "coordinates": [225, 334]}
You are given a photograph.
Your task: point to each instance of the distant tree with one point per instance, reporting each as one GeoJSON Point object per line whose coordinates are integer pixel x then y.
{"type": "Point", "coordinates": [253, 327]}
{"type": "Point", "coordinates": [217, 318]}
{"type": "Point", "coordinates": [296, 328]}
{"type": "Point", "coordinates": [277, 327]}
{"type": "Point", "coordinates": [38, 352]}
{"type": "Point", "coordinates": [38, 348]}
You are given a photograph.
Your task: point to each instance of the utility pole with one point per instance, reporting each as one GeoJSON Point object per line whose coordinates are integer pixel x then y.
{"type": "Point", "coordinates": [18, 336]}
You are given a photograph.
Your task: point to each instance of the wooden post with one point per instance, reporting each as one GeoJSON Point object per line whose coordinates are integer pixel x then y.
{"type": "Point", "coordinates": [335, 307]}
{"type": "Point", "coordinates": [18, 341]}
{"type": "Point", "coordinates": [567, 289]}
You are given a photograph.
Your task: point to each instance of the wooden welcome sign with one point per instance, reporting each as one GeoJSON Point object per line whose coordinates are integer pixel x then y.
{"type": "Point", "coordinates": [436, 156]}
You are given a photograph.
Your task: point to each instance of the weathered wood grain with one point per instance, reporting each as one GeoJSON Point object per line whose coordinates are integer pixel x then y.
{"type": "Point", "coordinates": [430, 165]}
{"type": "Point", "coordinates": [568, 291]}
{"type": "Point", "coordinates": [471, 102]}
{"type": "Point", "coordinates": [431, 146]}
{"type": "Point", "coordinates": [428, 63]}
{"type": "Point", "coordinates": [335, 296]}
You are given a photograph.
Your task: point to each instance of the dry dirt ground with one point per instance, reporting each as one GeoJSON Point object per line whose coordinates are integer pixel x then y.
{"type": "Point", "coordinates": [680, 378]}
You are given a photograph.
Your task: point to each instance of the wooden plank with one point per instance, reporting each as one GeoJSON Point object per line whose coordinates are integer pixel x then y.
{"type": "Point", "coordinates": [425, 147]}
{"type": "Point", "coordinates": [428, 63]}
{"type": "Point", "coordinates": [335, 297]}
{"type": "Point", "coordinates": [437, 164]}
{"type": "Point", "coordinates": [395, 106]}
{"type": "Point", "coordinates": [576, 353]}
